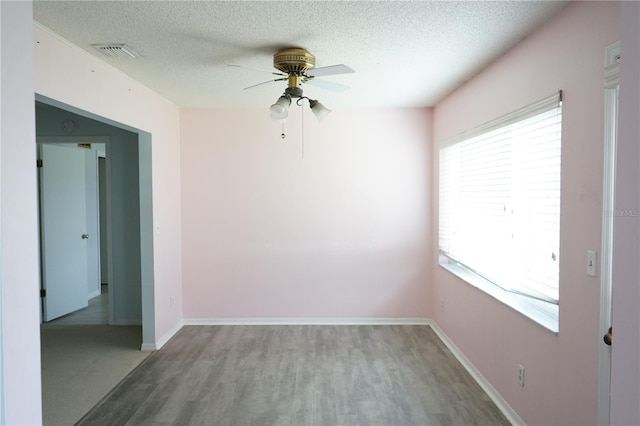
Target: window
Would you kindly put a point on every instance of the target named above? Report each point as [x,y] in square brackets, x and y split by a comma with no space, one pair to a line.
[500,208]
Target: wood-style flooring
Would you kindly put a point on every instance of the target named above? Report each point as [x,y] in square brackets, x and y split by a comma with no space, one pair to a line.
[299,375]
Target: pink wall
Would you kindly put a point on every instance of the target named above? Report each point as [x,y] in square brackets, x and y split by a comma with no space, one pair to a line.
[625,365]
[561,370]
[19,265]
[69,75]
[340,233]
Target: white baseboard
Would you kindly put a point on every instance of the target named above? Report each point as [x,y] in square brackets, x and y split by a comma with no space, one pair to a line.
[307,321]
[164,339]
[148,347]
[502,405]
[93,294]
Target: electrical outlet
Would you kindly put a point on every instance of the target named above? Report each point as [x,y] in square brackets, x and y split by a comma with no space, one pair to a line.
[521,375]
[172,302]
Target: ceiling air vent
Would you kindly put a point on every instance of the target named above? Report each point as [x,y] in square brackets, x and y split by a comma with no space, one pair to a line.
[120,51]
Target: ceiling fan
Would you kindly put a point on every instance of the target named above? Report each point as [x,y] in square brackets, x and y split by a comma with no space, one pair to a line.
[297,67]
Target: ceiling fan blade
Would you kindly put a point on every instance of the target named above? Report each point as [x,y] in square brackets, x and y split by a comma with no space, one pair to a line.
[328,85]
[254,69]
[330,70]
[264,82]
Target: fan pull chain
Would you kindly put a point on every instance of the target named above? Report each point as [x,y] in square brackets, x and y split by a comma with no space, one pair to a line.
[302,119]
[283,135]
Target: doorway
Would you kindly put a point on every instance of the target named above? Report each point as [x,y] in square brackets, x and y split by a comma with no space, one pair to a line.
[129,214]
[129,248]
[73,229]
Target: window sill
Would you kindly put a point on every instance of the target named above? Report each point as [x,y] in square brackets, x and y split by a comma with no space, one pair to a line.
[544,314]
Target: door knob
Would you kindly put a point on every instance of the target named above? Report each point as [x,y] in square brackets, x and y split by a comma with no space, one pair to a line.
[608,338]
[85,236]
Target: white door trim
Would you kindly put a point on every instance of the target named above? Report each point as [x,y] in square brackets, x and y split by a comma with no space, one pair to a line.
[612,71]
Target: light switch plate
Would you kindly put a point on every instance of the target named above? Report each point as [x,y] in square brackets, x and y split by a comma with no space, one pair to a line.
[591,263]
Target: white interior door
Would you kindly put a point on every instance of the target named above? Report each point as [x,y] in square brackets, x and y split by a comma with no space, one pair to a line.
[64,230]
[611,92]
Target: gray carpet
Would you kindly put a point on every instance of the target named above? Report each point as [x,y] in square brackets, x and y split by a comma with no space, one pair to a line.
[96,313]
[81,364]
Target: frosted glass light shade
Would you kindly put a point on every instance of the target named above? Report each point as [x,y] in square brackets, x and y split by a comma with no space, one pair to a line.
[280,110]
[319,110]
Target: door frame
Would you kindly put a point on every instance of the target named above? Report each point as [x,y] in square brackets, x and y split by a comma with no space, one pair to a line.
[146,214]
[104,140]
[611,93]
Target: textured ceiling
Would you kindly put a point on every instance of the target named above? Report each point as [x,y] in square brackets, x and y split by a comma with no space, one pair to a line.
[405,54]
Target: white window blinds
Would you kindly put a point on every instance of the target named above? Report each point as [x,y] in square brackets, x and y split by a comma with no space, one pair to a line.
[500,200]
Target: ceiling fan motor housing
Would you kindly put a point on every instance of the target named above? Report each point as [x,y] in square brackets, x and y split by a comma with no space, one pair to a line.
[294,61]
